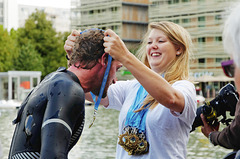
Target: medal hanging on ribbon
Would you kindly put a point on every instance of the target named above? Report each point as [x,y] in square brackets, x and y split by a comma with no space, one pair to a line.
[133,139]
[105,77]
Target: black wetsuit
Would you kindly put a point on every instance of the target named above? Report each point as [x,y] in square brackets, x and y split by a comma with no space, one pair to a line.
[51,119]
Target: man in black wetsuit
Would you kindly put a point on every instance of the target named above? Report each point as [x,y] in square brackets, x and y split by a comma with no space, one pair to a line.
[51,118]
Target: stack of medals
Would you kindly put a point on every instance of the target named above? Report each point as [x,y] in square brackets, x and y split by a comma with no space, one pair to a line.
[133,141]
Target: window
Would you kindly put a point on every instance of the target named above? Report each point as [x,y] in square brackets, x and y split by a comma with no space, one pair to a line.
[218,38]
[201,40]
[173,1]
[115,27]
[201,60]
[218,60]
[35,82]
[25,82]
[218,17]
[175,21]
[91,12]
[114,9]
[201,21]
[186,20]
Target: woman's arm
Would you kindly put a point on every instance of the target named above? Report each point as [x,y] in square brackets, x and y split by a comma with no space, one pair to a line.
[155,85]
[69,44]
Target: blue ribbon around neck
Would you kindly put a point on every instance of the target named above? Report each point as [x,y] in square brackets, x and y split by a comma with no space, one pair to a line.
[105,77]
[103,84]
[137,119]
[101,89]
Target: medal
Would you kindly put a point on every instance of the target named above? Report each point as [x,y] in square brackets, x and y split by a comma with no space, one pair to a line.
[133,139]
[134,144]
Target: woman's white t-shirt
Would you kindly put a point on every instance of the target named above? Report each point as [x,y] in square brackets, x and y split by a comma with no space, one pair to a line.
[167,132]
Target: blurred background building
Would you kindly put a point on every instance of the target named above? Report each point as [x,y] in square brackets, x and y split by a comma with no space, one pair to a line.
[204,20]
[8,14]
[13,15]
[129,18]
[60,17]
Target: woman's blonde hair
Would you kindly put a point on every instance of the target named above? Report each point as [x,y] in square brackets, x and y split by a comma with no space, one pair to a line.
[179,68]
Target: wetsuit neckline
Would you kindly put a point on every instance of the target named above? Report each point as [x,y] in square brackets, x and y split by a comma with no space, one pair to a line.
[71,74]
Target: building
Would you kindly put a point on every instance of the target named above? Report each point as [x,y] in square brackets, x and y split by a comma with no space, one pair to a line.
[204,20]
[7,16]
[15,85]
[128,18]
[13,15]
[60,17]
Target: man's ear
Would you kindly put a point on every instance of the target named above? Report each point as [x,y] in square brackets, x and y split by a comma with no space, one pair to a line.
[103,60]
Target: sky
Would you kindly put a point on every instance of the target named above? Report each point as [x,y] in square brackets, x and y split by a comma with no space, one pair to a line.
[47,3]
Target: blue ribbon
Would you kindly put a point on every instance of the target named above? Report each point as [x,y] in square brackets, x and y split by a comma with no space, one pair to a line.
[101,90]
[105,77]
[137,119]
[91,29]
[103,84]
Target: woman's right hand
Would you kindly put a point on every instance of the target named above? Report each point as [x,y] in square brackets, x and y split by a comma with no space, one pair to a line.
[69,43]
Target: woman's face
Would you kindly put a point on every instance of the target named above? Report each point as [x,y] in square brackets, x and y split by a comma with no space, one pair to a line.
[160,51]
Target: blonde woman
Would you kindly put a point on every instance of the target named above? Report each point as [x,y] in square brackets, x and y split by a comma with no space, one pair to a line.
[157,109]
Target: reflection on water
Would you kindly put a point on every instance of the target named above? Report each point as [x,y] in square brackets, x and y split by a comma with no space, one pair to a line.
[99,142]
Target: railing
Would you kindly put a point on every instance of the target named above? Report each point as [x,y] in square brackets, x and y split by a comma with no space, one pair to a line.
[101,18]
[97,2]
[166,9]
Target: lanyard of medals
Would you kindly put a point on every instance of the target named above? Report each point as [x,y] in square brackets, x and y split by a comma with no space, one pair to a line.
[105,77]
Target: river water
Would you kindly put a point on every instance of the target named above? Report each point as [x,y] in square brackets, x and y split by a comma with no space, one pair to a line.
[99,142]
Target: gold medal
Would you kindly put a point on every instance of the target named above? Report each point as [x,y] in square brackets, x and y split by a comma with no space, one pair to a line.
[134,144]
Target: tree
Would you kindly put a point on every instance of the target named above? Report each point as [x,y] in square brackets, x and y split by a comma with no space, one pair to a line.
[45,41]
[28,59]
[8,50]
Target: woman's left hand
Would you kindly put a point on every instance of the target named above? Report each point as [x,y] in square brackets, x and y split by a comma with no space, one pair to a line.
[114,45]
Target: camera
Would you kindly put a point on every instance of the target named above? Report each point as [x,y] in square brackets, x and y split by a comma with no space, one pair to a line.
[226,100]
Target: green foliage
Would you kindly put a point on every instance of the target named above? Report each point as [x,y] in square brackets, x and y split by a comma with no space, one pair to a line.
[35,47]
[45,40]
[8,50]
[28,59]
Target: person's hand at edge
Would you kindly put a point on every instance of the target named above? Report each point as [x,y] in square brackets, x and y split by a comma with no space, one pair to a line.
[69,43]
[207,128]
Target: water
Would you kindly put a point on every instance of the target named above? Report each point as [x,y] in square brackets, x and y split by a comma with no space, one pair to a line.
[99,142]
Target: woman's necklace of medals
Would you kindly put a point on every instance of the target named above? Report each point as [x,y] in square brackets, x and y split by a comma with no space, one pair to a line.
[133,142]
[133,139]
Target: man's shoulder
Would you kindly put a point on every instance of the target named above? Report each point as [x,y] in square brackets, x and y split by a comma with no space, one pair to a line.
[62,81]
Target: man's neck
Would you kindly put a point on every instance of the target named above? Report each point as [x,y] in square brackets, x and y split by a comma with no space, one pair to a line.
[87,77]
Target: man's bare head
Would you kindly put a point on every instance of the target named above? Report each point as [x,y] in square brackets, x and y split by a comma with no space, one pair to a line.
[88,49]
